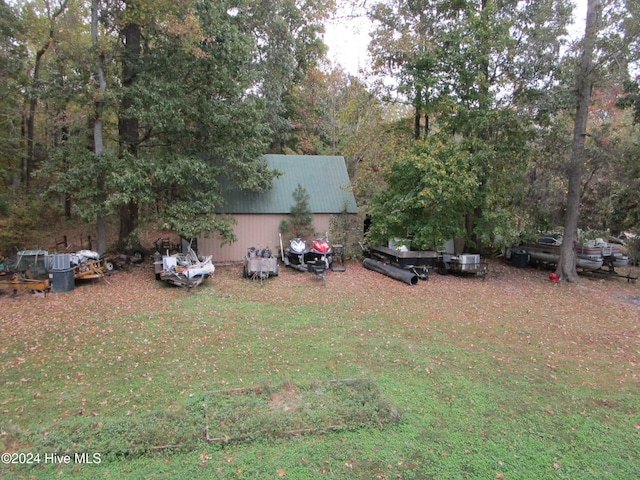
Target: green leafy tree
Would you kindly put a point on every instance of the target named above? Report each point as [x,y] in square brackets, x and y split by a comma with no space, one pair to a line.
[428,193]
[288,44]
[191,105]
[300,222]
[209,93]
[625,202]
[631,99]
[467,69]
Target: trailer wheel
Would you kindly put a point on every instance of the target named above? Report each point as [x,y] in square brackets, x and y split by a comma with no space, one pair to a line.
[442,269]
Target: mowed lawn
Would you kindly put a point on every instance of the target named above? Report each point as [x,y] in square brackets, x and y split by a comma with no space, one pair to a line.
[513,377]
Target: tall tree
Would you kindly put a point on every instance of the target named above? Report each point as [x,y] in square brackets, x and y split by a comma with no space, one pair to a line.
[128,123]
[429,191]
[466,68]
[13,56]
[98,136]
[52,14]
[230,67]
[566,268]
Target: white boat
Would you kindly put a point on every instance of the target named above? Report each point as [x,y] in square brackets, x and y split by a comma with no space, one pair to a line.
[547,250]
[612,253]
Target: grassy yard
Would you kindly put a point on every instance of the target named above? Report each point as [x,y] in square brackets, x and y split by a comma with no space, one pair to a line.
[513,377]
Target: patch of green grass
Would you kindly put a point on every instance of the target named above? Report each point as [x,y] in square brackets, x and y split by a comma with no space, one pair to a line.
[131,387]
[288,410]
[124,437]
[227,416]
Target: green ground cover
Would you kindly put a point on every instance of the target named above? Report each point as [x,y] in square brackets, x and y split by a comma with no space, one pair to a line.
[483,383]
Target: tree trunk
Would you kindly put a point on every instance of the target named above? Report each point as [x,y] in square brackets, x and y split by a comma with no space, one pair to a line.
[566,268]
[417,116]
[98,140]
[128,126]
[60,139]
[31,116]
[128,224]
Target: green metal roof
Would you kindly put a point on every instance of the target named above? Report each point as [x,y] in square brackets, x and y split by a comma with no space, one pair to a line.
[324,178]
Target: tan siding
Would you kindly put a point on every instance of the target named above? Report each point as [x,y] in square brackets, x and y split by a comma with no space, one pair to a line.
[254,230]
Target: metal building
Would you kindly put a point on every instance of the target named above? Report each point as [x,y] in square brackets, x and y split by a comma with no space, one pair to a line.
[258,215]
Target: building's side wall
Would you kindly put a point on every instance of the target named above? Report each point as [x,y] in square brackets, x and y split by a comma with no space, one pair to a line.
[254,230]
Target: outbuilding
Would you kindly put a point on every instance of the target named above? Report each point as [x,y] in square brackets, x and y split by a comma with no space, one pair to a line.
[258,215]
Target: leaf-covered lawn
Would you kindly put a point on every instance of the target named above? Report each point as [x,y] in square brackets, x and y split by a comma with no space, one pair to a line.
[511,377]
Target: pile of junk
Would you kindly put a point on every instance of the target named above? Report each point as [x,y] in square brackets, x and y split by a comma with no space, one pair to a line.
[185,269]
[40,271]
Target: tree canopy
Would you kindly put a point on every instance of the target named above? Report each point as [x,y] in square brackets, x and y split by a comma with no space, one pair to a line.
[498,80]
[192,97]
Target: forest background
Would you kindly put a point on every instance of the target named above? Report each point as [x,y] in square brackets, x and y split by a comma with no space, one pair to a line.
[466,123]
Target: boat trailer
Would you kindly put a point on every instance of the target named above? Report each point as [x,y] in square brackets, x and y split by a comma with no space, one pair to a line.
[410,265]
[611,272]
[417,262]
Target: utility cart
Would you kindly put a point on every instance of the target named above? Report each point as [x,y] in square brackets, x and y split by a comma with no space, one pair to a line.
[260,264]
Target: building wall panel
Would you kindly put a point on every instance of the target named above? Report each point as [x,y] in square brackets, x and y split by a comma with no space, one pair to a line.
[254,230]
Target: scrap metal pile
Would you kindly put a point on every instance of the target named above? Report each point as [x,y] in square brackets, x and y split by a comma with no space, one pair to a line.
[184,269]
[33,270]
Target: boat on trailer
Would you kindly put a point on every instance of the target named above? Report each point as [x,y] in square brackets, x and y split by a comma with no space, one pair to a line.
[611,252]
[418,262]
[546,250]
[590,255]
